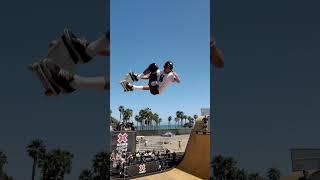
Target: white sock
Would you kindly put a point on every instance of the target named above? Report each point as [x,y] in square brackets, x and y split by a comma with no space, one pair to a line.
[88,82]
[137,87]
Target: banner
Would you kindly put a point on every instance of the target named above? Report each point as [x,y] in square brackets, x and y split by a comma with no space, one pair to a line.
[142,168]
[123,141]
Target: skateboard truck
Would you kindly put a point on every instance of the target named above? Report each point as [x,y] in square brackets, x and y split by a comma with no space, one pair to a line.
[127,79]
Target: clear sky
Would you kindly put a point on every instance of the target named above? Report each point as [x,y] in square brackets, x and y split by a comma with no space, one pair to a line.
[147,31]
[267,99]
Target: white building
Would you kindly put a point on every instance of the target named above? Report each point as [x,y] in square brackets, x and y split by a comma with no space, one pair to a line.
[305,159]
[205,111]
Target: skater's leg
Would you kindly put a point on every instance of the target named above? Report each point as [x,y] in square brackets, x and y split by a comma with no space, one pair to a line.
[96,47]
[80,82]
[83,51]
[70,82]
[146,87]
[153,89]
[152,68]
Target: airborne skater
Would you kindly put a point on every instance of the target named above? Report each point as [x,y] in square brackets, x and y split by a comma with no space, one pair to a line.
[70,50]
[158,80]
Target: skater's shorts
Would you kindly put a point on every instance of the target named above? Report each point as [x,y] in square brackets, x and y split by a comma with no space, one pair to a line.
[154,89]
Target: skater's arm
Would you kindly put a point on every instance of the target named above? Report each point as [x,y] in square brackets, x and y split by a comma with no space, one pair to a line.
[176,77]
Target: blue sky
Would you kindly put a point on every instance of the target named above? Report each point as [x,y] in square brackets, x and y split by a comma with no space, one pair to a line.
[147,31]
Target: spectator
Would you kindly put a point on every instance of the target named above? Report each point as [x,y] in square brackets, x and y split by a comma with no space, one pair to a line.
[305,175]
[205,121]
[123,160]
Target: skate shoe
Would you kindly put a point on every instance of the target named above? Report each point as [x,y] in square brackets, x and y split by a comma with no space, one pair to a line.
[59,76]
[133,76]
[50,88]
[76,47]
[128,86]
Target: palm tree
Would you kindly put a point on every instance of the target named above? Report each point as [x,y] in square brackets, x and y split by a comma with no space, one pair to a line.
[155,118]
[169,120]
[127,114]
[241,174]
[36,150]
[149,117]
[185,117]
[86,175]
[195,117]
[3,161]
[176,119]
[137,118]
[218,167]
[224,167]
[178,115]
[44,164]
[56,164]
[189,120]
[181,117]
[101,165]
[254,176]
[273,174]
[121,109]
[67,163]
[230,167]
[142,115]
[160,119]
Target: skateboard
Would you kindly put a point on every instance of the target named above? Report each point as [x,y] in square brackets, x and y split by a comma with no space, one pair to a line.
[127,79]
[63,54]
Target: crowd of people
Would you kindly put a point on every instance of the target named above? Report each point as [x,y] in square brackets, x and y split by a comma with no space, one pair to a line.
[121,160]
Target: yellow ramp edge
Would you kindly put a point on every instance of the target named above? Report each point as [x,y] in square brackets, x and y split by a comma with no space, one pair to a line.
[196,160]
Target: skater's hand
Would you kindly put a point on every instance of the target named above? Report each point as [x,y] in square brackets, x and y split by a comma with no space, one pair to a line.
[176,77]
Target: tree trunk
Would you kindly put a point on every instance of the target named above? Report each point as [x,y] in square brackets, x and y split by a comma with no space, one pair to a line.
[44,174]
[34,169]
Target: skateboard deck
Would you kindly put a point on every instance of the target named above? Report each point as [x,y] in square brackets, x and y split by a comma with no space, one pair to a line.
[49,88]
[58,53]
[127,79]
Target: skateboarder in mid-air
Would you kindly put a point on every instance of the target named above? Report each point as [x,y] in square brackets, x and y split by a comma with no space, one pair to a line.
[158,80]
[70,50]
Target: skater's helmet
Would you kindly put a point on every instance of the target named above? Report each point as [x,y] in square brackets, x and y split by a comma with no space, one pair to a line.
[153,67]
[168,64]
